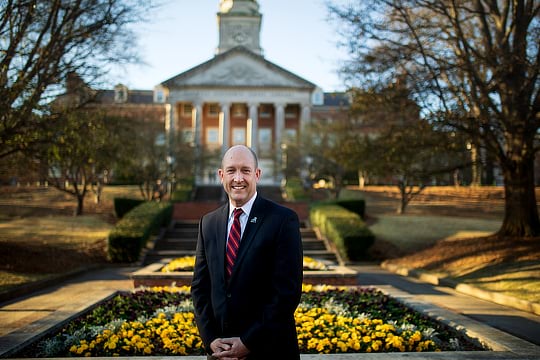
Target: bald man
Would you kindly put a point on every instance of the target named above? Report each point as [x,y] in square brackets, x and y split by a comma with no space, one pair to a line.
[245,303]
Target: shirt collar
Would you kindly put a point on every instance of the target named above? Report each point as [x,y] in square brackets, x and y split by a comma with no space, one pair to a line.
[246,208]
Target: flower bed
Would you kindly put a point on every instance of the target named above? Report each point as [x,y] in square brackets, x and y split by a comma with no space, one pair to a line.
[329,320]
[179,272]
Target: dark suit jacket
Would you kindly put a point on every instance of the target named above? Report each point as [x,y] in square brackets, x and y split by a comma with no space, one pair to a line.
[258,302]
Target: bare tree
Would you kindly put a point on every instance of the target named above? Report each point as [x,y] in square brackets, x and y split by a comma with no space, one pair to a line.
[41,42]
[476,63]
[396,146]
[79,152]
[412,156]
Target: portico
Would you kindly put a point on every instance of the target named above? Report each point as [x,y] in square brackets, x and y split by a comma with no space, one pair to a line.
[214,119]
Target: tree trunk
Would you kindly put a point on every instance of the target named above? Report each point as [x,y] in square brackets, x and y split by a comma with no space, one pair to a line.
[80,205]
[404,198]
[520,209]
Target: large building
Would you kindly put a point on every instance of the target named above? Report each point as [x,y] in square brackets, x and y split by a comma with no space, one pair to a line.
[237,97]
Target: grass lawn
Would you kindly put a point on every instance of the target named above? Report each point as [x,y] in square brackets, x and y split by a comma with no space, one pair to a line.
[36,248]
[455,242]
[413,232]
[40,238]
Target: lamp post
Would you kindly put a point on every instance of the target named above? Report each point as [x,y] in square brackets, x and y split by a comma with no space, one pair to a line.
[171,178]
[283,164]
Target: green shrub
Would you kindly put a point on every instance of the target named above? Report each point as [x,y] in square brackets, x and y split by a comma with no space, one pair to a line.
[124,205]
[320,212]
[344,228]
[351,237]
[357,206]
[131,233]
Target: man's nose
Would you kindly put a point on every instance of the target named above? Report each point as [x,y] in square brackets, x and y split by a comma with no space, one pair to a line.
[238,176]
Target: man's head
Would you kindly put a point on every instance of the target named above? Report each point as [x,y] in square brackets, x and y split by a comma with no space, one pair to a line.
[239,174]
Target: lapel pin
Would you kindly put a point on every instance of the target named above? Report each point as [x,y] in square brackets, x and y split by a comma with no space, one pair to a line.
[253,220]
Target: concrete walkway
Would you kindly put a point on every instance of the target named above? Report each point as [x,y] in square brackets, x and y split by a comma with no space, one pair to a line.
[512,334]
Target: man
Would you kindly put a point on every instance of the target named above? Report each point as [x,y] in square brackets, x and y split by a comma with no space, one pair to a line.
[248,314]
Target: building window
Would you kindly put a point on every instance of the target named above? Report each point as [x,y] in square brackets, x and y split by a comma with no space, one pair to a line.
[188,135]
[266,111]
[159,97]
[160,139]
[265,141]
[186,109]
[239,136]
[291,112]
[120,93]
[239,110]
[213,110]
[290,135]
[212,136]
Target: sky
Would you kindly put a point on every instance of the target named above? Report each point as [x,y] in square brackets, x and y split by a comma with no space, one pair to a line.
[182,34]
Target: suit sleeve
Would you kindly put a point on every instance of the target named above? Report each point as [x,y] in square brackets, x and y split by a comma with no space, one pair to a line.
[201,294]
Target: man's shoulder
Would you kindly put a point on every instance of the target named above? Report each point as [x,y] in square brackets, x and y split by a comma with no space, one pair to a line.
[216,212]
[273,206]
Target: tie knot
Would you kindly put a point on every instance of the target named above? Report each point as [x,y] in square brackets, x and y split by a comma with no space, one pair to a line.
[237,212]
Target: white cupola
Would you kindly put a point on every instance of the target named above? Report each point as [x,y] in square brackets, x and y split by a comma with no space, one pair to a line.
[239,23]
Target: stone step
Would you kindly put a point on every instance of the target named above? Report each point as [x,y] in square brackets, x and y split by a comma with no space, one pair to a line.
[182,233]
[185,225]
[307,232]
[157,256]
[176,244]
[313,244]
[322,255]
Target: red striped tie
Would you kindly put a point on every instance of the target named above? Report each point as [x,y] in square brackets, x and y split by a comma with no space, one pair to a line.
[234,241]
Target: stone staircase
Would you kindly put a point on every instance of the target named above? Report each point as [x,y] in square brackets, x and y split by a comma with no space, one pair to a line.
[180,239]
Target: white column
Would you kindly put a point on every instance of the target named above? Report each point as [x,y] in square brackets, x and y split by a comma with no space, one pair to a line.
[280,125]
[169,118]
[170,131]
[305,116]
[224,126]
[254,131]
[196,119]
[170,125]
[196,124]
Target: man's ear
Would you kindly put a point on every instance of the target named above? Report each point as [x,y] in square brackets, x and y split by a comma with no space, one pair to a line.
[220,174]
[258,173]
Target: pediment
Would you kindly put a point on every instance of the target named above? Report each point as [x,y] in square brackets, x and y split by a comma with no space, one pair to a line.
[238,68]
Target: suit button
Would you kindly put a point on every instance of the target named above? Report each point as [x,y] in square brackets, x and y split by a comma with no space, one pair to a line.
[229,295]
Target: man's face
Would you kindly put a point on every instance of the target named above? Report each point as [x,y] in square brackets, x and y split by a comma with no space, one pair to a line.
[239,175]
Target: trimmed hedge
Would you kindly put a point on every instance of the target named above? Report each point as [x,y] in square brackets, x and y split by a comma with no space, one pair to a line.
[357,206]
[123,205]
[319,214]
[131,233]
[344,228]
[351,236]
